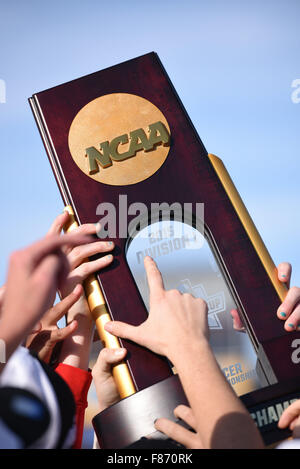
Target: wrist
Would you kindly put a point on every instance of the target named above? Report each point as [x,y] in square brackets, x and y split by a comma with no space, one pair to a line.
[191,348]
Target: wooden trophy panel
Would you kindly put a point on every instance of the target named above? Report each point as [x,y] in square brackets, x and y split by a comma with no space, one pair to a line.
[186,176]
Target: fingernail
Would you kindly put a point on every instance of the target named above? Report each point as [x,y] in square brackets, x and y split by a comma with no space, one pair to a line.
[110,243]
[283,314]
[283,275]
[109,257]
[291,326]
[119,352]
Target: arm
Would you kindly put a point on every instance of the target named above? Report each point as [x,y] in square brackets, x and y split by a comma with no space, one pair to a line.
[75,352]
[221,419]
[76,347]
[37,271]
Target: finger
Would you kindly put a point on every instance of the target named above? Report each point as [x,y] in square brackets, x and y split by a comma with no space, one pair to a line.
[177,432]
[237,322]
[155,281]
[294,319]
[88,229]
[83,252]
[289,414]
[284,272]
[46,280]
[61,308]
[85,229]
[58,335]
[295,427]
[58,224]
[294,423]
[51,244]
[90,267]
[289,303]
[108,357]
[185,413]
[123,330]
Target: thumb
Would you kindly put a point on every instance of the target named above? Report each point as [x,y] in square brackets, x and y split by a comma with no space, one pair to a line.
[108,357]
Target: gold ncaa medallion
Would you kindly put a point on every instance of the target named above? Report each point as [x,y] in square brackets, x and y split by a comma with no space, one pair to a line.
[119,139]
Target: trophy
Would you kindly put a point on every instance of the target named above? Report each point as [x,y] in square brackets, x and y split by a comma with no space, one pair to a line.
[124,151]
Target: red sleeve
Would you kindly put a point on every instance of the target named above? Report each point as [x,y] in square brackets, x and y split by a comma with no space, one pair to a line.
[79,382]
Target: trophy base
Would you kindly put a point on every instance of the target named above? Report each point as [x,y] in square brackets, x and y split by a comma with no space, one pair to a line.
[132,418]
[129,421]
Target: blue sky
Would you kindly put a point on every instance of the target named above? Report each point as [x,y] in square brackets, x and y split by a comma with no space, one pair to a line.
[231,62]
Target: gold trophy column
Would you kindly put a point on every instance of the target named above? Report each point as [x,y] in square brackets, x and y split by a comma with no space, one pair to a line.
[101,316]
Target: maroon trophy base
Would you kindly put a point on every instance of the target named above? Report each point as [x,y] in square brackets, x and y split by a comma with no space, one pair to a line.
[131,419]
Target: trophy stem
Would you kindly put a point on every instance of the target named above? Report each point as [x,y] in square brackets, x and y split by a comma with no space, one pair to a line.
[101,316]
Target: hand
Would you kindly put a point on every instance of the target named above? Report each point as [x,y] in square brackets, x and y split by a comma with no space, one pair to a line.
[288,311]
[238,324]
[174,319]
[44,340]
[78,256]
[106,388]
[76,348]
[177,432]
[34,275]
[80,266]
[291,418]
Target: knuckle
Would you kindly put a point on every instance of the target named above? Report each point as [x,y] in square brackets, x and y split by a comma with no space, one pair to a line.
[202,303]
[174,293]
[103,356]
[188,296]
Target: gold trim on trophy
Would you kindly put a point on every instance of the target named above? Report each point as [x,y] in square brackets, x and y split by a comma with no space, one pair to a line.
[101,316]
[248,224]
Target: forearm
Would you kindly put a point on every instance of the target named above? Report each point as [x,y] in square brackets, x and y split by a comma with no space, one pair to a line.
[222,420]
[76,348]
